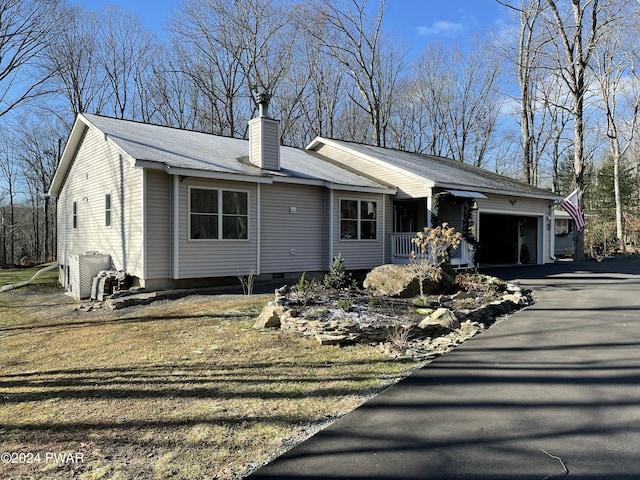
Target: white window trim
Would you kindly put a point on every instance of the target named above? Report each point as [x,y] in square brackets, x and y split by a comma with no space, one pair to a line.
[359,220]
[74,214]
[110,210]
[220,215]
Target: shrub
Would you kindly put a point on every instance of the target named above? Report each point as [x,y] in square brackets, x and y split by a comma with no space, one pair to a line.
[306,290]
[346,305]
[337,276]
[432,252]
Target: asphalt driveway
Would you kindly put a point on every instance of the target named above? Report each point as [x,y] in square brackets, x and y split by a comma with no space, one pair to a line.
[553,385]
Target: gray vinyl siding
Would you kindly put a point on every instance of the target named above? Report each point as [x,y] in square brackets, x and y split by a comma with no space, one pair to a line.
[100,169]
[157,224]
[408,187]
[360,254]
[521,206]
[216,258]
[293,228]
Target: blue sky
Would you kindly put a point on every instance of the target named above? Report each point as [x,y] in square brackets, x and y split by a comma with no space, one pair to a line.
[418,22]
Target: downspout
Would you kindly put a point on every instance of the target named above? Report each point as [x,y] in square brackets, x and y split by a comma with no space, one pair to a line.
[176,227]
[6,288]
[552,233]
[384,227]
[258,234]
[330,226]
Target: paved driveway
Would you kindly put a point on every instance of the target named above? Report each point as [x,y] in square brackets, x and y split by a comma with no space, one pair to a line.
[555,384]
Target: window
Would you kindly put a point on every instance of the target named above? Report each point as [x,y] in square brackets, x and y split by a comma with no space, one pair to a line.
[358,220]
[218,214]
[75,214]
[562,226]
[107,210]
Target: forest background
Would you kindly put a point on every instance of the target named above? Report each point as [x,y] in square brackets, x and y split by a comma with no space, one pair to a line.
[551,97]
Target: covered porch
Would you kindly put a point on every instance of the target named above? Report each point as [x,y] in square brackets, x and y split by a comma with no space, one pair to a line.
[457,208]
[401,247]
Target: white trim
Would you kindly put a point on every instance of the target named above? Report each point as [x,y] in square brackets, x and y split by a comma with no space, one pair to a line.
[258,226]
[335,186]
[144,225]
[552,233]
[110,209]
[384,226]
[176,227]
[235,177]
[220,214]
[331,224]
[358,220]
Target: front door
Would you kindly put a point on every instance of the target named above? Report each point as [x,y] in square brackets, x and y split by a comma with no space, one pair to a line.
[405,217]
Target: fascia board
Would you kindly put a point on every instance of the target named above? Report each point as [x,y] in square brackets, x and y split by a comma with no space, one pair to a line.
[236,177]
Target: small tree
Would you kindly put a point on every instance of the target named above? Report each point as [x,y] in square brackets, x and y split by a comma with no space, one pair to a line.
[432,252]
[337,276]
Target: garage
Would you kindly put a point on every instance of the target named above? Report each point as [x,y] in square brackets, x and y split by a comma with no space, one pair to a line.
[508,239]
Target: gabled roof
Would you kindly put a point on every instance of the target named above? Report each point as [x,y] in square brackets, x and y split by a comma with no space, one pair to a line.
[440,172]
[190,153]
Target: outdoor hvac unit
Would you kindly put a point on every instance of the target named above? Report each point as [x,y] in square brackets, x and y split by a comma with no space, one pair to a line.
[82,269]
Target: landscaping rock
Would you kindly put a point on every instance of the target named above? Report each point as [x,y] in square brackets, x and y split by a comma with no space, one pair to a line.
[443,318]
[399,281]
[269,317]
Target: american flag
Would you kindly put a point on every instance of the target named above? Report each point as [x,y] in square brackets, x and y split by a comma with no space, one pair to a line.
[570,204]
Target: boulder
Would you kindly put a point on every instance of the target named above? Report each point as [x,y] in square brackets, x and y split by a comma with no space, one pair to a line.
[399,281]
[441,318]
[269,317]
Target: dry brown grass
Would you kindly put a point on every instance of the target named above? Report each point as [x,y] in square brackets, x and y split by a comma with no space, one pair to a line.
[181,389]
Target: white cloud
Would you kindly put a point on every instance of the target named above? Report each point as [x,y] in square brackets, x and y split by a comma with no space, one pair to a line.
[441,28]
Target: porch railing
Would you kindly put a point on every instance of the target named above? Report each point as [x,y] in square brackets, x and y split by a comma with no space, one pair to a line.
[401,247]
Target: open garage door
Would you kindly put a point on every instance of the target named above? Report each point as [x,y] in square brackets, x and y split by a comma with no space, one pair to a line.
[507,239]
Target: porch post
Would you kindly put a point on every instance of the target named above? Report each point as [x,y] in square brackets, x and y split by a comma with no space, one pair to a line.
[429,204]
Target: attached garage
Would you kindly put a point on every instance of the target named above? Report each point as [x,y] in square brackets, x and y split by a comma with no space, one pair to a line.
[509,239]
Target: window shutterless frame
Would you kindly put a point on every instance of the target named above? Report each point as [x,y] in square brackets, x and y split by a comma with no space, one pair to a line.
[107,209]
[358,219]
[75,214]
[218,214]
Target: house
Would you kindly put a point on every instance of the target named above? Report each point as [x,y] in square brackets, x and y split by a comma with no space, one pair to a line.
[173,207]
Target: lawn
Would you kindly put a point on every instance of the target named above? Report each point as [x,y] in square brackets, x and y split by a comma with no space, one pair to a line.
[183,389]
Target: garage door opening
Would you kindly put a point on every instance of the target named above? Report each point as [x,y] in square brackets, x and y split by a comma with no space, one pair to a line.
[507,239]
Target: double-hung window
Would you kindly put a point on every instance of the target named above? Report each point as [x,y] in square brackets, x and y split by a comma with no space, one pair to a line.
[358,219]
[107,210]
[75,214]
[217,214]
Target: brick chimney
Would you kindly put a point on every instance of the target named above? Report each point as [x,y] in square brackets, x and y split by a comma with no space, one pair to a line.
[264,137]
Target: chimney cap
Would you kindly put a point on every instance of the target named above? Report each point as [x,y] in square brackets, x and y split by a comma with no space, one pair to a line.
[262,99]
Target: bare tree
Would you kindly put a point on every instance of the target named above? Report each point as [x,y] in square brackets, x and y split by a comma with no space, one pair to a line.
[454,102]
[71,57]
[614,65]
[373,62]
[25,28]
[38,150]
[123,54]
[574,35]
[9,171]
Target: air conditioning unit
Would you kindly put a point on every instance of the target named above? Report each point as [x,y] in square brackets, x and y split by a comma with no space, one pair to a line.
[82,269]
